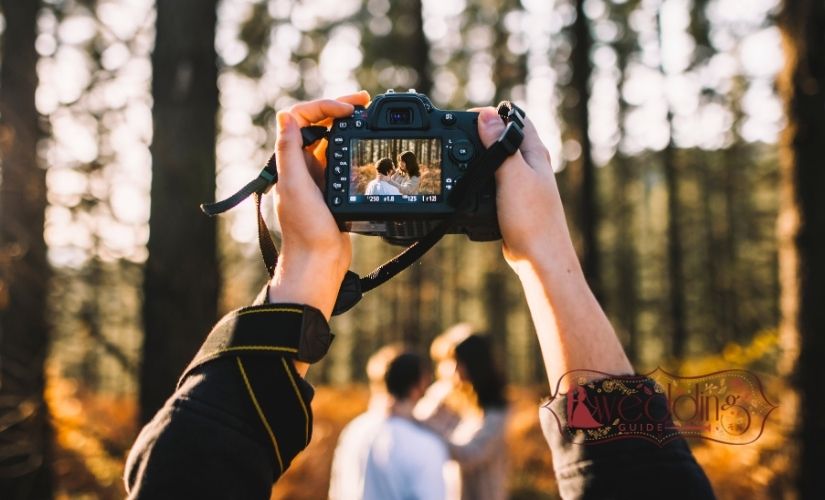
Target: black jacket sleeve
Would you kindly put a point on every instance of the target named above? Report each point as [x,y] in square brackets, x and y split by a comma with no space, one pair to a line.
[624,467]
[241,411]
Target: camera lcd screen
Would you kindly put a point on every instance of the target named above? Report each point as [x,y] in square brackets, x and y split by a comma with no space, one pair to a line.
[399,170]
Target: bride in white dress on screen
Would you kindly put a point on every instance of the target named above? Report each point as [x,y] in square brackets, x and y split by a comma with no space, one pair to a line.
[409,177]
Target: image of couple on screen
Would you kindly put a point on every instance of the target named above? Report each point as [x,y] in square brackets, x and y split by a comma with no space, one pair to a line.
[396,180]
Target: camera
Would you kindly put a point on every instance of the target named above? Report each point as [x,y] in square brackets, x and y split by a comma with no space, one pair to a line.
[392,166]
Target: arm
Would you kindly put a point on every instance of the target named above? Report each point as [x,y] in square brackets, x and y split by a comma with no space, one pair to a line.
[572,329]
[241,411]
[488,441]
[574,333]
[407,185]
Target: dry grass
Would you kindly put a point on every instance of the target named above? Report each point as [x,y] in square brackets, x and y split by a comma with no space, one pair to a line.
[92,435]
[94,431]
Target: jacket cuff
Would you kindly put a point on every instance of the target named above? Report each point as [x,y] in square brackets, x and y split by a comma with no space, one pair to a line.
[292,331]
[592,459]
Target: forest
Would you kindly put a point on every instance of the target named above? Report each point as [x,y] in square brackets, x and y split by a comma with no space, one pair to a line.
[687,138]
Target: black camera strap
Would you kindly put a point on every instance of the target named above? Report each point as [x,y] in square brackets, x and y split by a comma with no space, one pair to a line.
[353,287]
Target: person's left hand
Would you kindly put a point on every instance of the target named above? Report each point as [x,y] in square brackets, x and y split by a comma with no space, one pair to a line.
[315,254]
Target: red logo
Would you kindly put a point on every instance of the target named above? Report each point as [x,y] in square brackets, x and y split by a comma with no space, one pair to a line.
[727,406]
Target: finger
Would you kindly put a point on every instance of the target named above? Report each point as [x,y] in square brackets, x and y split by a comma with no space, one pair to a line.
[361,98]
[307,113]
[490,126]
[289,154]
[316,171]
[535,152]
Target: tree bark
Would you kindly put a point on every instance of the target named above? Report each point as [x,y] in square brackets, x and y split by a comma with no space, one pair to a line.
[802,233]
[181,277]
[675,272]
[25,435]
[583,178]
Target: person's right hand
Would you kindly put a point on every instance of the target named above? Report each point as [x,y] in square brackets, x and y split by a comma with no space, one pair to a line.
[530,212]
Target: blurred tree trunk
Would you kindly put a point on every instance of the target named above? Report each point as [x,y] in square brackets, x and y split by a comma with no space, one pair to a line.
[802,233]
[181,280]
[25,435]
[509,69]
[417,314]
[676,289]
[625,258]
[583,171]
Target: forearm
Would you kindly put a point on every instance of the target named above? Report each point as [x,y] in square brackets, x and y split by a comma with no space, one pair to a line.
[573,330]
[311,278]
[241,412]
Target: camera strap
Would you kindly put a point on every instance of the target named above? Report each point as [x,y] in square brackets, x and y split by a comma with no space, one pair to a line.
[353,286]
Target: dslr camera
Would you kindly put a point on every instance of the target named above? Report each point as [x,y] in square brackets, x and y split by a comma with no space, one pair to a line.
[392,166]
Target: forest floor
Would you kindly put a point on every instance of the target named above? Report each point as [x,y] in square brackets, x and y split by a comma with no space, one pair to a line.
[93,434]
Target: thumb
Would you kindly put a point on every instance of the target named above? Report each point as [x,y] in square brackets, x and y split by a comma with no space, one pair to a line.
[292,170]
[490,126]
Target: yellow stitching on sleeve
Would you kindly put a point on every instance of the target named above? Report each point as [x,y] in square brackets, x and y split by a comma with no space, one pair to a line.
[272,309]
[255,348]
[261,414]
[300,400]
[252,348]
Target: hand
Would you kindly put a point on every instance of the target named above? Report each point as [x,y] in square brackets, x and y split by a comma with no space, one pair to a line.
[530,212]
[572,329]
[315,254]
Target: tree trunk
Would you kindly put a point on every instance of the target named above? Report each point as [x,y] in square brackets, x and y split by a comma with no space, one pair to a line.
[181,280]
[416,276]
[802,233]
[583,178]
[25,434]
[676,289]
[625,258]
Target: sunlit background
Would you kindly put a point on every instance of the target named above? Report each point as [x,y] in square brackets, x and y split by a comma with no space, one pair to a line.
[713,101]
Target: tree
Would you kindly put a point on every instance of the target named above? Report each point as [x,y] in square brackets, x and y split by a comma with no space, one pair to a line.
[676,280]
[625,258]
[802,231]
[181,277]
[583,171]
[24,271]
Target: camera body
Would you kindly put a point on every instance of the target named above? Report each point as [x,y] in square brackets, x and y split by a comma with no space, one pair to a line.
[392,166]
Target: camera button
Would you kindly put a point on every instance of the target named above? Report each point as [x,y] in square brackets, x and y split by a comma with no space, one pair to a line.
[448,119]
[358,123]
[337,200]
[462,151]
[343,125]
[337,170]
[338,155]
[338,186]
[338,140]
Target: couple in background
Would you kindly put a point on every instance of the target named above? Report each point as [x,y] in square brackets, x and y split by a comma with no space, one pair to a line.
[445,441]
[392,181]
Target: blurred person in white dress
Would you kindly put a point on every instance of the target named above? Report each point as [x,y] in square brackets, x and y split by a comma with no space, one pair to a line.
[472,416]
